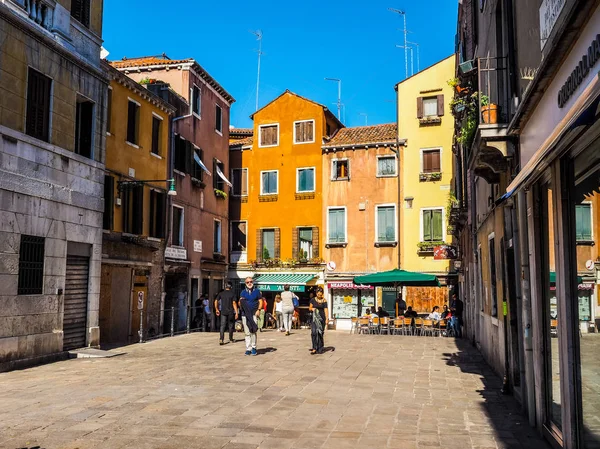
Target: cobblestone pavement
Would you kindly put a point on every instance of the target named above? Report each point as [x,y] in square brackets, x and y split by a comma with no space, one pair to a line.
[187,392]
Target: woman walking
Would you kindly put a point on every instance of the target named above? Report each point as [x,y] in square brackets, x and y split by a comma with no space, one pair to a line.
[278,312]
[287,306]
[318,307]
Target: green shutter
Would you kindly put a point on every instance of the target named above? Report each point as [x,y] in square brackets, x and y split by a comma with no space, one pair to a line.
[390,221]
[437,225]
[427,237]
[337,226]
[583,222]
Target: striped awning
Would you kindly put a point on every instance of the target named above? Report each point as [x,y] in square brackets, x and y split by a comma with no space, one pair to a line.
[283,278]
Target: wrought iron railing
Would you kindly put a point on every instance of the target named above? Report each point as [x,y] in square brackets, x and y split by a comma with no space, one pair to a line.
[494,91]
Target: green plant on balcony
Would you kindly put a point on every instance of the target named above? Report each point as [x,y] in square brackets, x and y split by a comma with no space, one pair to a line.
[452,204]
[302,256]
[427,247]
[220,194]
[265,254]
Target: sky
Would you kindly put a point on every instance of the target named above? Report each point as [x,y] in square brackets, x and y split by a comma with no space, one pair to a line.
[303,43]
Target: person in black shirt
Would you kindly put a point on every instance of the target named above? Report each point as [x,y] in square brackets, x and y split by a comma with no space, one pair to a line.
[227,308]
[318,307]
[381,312]
[410,313]
[457,307]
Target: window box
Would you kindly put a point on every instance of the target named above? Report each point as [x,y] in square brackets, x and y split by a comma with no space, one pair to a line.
[220,194]
[427,247]
[426,177]
[336,245]
[386,244]
[198,183]
[426,121]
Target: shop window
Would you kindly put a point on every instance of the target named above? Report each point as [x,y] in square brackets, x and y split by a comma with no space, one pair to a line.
[31,265]
[37,123]
[340,170]
[84,125]
[268,135]
[306,180]
[133,203]
[336,219]
[133,122]
[386,223]
[386,166]
[305,243]
[178,226]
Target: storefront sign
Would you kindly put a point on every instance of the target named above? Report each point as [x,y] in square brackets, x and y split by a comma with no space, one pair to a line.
[175,253]
[575,79]
[445,252]
[549,12]
[349,285]
[580,287]
[197,246]
[279,288]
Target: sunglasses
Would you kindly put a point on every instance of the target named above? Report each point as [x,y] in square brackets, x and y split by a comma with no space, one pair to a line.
[249,282]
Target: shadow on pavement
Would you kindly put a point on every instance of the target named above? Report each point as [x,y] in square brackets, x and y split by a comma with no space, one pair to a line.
[265,350]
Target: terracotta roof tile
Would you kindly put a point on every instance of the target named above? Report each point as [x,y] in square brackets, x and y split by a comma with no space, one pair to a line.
[145,61]
[241,142]
[238,133]
[364,135]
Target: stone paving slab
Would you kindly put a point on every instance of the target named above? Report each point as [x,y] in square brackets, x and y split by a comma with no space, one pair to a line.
[188,392]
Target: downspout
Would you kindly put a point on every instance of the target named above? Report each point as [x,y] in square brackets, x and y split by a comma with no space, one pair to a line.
[526,305]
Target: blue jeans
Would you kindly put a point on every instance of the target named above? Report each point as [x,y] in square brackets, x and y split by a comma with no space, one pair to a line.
[455,322]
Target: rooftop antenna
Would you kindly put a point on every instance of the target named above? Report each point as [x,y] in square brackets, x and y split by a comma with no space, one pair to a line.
[366,117]
[259,36]
[418,62]
[403,14]
[339,100]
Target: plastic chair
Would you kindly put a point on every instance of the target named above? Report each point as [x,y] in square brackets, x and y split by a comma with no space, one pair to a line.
[427,327]
[384,325]
[407,326]
[354,327]
[418,326]
[363,325]
[374,326]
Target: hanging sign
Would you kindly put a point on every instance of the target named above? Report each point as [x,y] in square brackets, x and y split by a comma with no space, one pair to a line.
[445,252]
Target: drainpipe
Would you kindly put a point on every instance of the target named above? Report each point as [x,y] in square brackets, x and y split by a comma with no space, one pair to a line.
[526,305]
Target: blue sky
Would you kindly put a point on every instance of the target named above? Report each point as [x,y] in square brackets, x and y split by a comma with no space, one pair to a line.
[351,40]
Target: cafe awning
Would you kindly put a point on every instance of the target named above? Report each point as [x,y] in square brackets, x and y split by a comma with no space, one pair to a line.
[283,278]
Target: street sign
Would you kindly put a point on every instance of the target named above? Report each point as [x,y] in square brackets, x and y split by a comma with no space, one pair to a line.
[140,300]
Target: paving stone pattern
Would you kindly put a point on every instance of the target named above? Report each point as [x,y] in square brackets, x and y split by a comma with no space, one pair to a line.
[373,391]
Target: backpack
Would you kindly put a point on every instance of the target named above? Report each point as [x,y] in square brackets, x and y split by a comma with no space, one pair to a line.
[295,301]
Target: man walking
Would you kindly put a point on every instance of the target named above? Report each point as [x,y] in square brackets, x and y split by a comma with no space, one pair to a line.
[251,304]
[226,307]
[456,307]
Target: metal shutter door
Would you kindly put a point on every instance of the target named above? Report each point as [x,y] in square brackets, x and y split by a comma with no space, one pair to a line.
[76,300]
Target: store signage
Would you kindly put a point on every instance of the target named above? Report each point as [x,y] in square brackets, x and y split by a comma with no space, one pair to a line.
[582,287]
[549,12]
[349,285]
[445,252]
[581,70]
[197,246]
[279,288]
[175,253]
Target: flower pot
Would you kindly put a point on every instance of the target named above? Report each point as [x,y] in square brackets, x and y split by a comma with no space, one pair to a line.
[490,113]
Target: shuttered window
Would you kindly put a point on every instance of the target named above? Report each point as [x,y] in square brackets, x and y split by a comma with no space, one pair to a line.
[268,135]
[84,123]
[431,161]
[583,222]
[268,182]
[430,106]
[432,225]
[133,209]
[158,204]
[133,118]
[268,244]
[304,131]
[386,224]
[340,170]
[80,11]
[109,197]
[31,265]
[337,225]
[306,180]
[240,181]
[305,243]
[38,105]
[238,236]
[156,135]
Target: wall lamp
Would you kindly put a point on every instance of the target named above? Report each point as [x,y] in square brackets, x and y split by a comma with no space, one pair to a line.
[124,184]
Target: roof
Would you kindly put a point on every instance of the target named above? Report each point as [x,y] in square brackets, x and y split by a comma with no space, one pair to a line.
[247,141]
[426,68]
[240,133]
[287,91]
[364,135]
[163,61]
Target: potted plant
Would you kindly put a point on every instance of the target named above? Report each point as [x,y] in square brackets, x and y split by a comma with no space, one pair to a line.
[302,256]
[489,111]
[220,194]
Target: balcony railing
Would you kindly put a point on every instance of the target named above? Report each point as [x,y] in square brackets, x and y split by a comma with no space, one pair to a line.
[40,12]
[494,91]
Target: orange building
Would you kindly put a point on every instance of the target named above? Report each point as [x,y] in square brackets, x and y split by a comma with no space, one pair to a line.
[276,201]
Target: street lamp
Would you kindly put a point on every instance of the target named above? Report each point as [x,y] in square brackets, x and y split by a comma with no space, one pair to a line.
[339,101]
[124,184]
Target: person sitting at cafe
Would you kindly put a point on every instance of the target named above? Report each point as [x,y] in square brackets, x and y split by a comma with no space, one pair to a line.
[435,314]
[446,313]
[381,312]
[410,313]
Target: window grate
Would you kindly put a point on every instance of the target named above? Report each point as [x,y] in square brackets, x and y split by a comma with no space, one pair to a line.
[31,265]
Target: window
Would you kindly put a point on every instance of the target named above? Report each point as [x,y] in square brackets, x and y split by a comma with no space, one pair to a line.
[80,11]
[386,166]
[178,223]
[31,265]
[195,100]
[432,225]
[428,107]
[304,131]
[240,181]
[583,222]
[305,243]
[268,135]
[84,124]
[197,170]
[183,151]
[218,119]
[133,209]
[109,198]
[340,169]
[238,236]
[336,225]
[158,204]
[430,161]
[109,110]
[268,240]
[492,247]
[305,180]
[217,237]
[156,135]
[218,182]
[133,119]
[38,105]
[386,223]
[268,182]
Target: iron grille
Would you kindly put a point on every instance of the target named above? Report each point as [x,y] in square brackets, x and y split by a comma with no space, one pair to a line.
[31,265]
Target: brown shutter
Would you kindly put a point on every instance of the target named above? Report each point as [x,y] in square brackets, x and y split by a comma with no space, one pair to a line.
[315,241]
[420,107]
[244,181]
[435,161]
[295,243]
[277,244]
[440,105]
[310,126]
[259,245]
[426,162]
[38,105]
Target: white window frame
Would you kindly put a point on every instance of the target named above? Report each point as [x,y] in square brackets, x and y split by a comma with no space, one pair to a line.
[181,227]
[314,169]
[591,217]
[377,206]
[198,114]
[345,224]
[231,224]
[261,182]
[333,171]
[314,133]
[436,103]
[265,125]
[421,233]
[220,249]
[139,119]
[219,131]
[262,238]
[233,177]
[386,156]
[424,150]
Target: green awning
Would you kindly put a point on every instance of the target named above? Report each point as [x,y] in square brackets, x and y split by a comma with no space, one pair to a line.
[398,278]
[553,278]
[281,278]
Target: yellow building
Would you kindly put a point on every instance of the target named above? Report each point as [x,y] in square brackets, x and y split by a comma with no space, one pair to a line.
[135,225]
[276,202]
[425,121]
